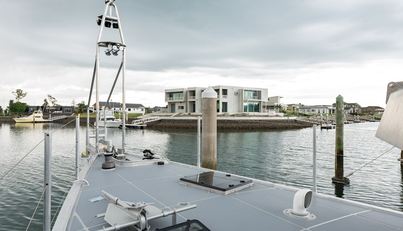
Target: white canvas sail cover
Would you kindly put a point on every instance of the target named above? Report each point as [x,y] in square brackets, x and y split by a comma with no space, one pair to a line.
[390,129]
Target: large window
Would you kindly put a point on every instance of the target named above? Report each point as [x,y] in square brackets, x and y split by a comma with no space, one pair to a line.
[175,96]
[249,94]
[224,107]
[251,107]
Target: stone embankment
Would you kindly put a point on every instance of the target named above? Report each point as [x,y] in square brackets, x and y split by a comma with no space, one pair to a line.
[231,123]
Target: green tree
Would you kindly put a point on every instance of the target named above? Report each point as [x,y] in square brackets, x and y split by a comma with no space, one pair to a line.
[19,94]
[81,107]
[17,107]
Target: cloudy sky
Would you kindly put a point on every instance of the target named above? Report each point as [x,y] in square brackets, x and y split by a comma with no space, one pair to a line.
[307,51]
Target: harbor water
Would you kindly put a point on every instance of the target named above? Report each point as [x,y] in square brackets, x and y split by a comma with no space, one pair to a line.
[278,156]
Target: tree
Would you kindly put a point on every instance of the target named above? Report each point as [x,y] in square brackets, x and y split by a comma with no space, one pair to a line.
[19,94]
[81,107]
[17,107]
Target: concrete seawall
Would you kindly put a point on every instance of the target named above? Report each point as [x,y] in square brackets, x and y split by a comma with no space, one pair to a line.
[231,124]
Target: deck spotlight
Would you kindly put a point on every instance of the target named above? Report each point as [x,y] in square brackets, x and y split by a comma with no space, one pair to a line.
[121,48]
[108,52]
[114,47]
[115,52]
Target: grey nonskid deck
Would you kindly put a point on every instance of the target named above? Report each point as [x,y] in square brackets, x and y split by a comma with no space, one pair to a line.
[260,207]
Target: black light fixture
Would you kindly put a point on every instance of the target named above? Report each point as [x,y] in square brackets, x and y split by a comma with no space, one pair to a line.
[115,52]
[108,23]
[108,52]
[99,20]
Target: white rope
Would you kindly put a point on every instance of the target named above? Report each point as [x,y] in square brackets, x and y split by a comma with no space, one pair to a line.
[36,208]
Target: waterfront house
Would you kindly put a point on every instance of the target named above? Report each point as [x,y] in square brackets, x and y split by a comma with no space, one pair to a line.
[56,109]
[230,99]
[274,104]
[316,110]
[372,110]
[133,108]
[351,108]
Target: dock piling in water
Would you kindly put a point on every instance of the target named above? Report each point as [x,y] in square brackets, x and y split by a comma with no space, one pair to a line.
[209,129]
[339,161]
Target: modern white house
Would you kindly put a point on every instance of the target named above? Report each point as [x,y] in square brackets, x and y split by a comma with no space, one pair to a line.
[317,109]
[230,99]
[134,108]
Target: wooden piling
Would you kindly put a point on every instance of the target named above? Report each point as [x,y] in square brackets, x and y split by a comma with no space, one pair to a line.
[209,129]
[339,151]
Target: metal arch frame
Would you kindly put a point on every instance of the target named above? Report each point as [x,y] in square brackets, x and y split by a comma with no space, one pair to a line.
[110,7]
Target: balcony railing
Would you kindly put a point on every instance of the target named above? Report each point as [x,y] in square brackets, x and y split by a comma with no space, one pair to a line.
[252,98]
[175,99]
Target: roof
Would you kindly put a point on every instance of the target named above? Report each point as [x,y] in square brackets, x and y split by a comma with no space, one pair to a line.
[118,105]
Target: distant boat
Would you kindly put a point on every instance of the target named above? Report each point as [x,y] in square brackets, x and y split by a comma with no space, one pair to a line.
[134,126]
[111,121]
[36,117]
[327,126]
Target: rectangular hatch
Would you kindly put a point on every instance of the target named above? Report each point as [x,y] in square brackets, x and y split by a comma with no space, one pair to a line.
[218,182]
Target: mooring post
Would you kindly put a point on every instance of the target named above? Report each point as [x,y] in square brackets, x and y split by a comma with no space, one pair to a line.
[339,151]
[314,188]
[209,129]
[198,140]
[47,183]
[77,144]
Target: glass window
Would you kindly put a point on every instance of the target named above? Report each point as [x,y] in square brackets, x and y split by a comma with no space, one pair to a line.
[224,107]
[251,107]
[224,91]
[249,94]
[175,96]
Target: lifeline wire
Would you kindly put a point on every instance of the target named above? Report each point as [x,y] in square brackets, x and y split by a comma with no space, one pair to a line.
[15,165]
[36,208]
[370,161]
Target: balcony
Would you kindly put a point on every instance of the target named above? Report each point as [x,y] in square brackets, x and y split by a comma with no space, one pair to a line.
[175,99]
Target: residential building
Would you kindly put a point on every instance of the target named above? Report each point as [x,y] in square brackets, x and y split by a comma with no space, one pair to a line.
[57,109]
[351,108]
[372,110]
[274,104]
[134,108]
[294,108]
[316,109]
[230,99]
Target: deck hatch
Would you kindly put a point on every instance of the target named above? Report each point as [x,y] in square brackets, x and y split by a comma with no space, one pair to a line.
[220,182]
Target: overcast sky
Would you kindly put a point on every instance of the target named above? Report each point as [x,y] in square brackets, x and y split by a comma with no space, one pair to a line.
[307,51]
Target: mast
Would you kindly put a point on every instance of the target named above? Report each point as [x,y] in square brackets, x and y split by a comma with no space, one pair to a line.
[109,21]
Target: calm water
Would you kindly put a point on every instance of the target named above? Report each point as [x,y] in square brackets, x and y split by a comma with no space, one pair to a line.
[278,156]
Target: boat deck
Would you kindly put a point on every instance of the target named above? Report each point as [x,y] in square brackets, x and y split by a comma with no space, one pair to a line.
[259,207]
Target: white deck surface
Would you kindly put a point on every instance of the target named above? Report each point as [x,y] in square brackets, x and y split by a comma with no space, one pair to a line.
[259,207]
